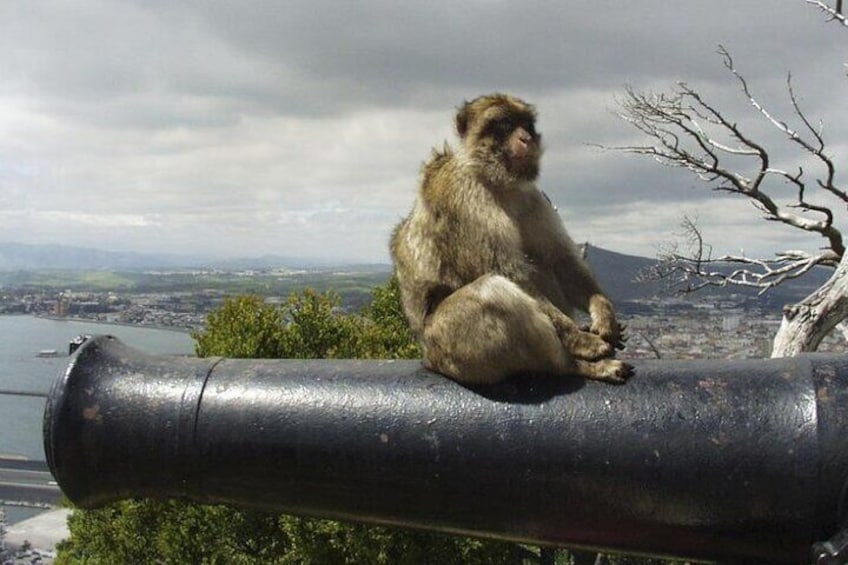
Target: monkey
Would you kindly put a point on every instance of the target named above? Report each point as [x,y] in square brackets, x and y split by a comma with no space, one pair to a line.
[488,276]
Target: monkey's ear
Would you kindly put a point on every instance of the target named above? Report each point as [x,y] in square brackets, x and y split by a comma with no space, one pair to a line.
[462,120]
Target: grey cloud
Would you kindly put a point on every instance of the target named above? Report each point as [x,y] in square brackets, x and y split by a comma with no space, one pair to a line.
[535,43]
[307,57]
[201,118]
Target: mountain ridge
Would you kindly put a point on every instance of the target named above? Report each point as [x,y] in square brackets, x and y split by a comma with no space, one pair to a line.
[26,257]
[616,272]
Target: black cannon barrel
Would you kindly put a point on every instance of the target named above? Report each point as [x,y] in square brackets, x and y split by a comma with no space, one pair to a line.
[728,460]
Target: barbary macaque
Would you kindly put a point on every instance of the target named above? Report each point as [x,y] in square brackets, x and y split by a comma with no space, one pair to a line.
[488,275]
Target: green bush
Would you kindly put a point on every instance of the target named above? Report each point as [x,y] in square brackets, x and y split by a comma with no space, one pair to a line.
[309,326]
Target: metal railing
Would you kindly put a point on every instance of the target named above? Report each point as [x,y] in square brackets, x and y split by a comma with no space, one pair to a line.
[742,461]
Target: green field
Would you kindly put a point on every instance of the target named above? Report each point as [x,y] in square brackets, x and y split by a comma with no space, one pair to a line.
[349,283]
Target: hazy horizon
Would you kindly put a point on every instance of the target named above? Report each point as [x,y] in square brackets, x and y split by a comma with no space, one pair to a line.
[48,251]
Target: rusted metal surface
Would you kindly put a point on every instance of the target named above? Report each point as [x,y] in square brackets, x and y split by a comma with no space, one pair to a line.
[728,460]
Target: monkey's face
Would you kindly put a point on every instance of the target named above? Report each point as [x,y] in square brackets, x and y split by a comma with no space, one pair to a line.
[500,135]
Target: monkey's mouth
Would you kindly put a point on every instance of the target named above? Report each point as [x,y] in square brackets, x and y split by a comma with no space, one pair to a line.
[530,154]
[525,167]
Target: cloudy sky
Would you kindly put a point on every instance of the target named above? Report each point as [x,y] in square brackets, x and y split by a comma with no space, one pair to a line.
[232,128]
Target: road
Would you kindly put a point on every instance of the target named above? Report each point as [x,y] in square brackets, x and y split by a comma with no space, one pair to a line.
[27,482]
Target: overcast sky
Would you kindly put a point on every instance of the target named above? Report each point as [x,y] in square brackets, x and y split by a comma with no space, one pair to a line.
[232,128]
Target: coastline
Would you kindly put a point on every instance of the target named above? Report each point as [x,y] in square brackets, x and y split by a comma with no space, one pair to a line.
[106,322]
[22,371]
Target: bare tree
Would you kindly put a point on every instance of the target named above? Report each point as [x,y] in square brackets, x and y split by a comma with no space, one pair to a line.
[687,131]
[3,553]
[835,13]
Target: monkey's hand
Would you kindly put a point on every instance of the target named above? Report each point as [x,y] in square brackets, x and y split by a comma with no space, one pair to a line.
[579,343]
[604,323]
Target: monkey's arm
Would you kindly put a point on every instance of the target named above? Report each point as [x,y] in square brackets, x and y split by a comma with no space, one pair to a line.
[582,288]
[603,321]
[420,299]
[416,254]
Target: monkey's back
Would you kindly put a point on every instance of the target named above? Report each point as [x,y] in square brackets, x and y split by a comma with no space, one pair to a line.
[456,232]
[418,243]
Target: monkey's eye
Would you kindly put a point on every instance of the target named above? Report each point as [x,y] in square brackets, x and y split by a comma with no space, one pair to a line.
[503,127]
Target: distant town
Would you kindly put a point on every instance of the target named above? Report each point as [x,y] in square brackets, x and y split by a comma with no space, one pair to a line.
[696,326]
[707,328]
[154,291]
[183,311]
[176,299]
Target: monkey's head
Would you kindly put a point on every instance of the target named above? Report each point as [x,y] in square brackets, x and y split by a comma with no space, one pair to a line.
[499,134]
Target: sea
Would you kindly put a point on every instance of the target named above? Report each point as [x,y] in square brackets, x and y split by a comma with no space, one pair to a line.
[27,344]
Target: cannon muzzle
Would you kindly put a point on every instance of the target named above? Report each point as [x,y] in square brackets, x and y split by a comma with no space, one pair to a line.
[728,460]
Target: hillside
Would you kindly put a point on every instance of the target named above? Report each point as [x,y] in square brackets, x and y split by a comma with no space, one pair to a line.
[618,273]
[28,257]
[59,266]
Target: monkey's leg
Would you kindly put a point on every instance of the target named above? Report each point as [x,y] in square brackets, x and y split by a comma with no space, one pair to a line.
[586,359]
[577,342]
[603,321]
[490,329]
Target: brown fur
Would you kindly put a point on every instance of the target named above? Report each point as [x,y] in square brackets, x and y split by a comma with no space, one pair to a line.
[488,274]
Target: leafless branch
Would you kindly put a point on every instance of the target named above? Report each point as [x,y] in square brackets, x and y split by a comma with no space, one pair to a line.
[687,131]
[684,130]
[651,344]
[694,268]
[834,13]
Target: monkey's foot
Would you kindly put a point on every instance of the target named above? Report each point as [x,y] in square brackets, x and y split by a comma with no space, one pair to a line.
[607,370]
[610,331]
[586,345]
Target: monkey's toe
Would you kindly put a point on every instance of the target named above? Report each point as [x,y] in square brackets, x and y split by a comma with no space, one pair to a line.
[620,373]
[612,334]
[610,371]
[619,339]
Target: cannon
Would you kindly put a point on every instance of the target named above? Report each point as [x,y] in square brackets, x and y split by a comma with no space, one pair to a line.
[734,461]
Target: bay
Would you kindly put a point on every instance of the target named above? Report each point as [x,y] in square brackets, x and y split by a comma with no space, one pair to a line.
[23,337]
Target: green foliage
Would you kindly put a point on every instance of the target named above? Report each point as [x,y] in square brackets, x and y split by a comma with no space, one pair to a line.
[148,531]
[153,532]
[390,337]
[309,326]
[244,327]
[324,541]
[315,331]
